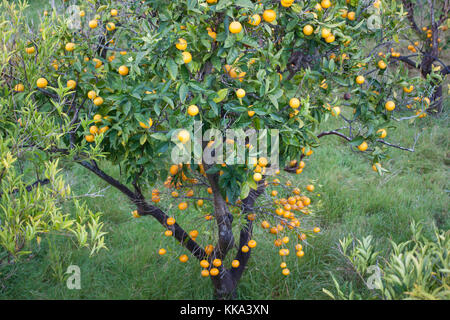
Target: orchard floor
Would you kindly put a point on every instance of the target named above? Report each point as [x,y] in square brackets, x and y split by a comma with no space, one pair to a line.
[355,200]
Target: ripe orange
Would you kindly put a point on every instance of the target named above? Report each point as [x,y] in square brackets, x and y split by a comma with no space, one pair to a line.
[187,57]
[173,169]
[147,125]
[41,83]
[286,271]
[363,146]
[71,84]
[181,44]
[192,110]
[254,20]
[168,233]
[257,176]
[184,258]
[93,24]
[240,93]
[204,264]
[170,221]
[93,130]
[382,65]
[316,230]
[294,103]
[245,249]
[92,94]
[390,105]
[360,79]
[184,136]
[19,87]
[217,262]
[235,263]
[310,187]
[235,27]
[308,30]
[98,101]
[252,243]
[205,273]
[162,251]
[89,138]
[325,33]
[123,70]
[351,16]
[70,46]
[269,15]
[110,26]
[114,12]
[214,272]
[300,253]
[382,133]
[336,111]
[30,50]
[182,205]
[325,4]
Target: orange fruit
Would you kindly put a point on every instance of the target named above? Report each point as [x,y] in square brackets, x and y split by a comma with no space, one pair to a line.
[71,84]
[98,101]
[310,187]
[254,20]
[92,94]
[252,243]
[192,110]
[70,46]
[214,271]
[162,251]
[204,264]
[308,30]
[390,105]
[363,146]
[351,16]
[93,24]
[123,70]
[181,44]
[269,15]
[184,258]
[41,83]
[110,26]
[382,133]
[235,27]
[294,103]
[360,79]
[184,136]
[90,138]
[19,87]
[170,221]
[240,93]
[93,130]
[217,262]
[285,271]
[205,273]
[113,12]
[182,205]
[187,57]
[245,249]
[235,263]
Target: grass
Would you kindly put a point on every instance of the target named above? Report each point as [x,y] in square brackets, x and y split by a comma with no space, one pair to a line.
[354,200]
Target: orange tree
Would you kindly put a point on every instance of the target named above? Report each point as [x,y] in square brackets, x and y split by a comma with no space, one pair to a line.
[123,82]
[428,21]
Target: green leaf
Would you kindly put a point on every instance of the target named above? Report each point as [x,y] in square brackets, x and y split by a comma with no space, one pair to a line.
[173,68]
[221,95]
[183,92]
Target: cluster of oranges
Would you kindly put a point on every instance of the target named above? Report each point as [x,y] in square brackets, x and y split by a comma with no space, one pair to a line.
[285,212]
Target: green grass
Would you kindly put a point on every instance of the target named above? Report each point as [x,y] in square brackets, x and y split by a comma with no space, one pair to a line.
[354,200]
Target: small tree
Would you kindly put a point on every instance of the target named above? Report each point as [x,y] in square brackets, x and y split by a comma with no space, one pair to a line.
[124,82]
[428,21]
